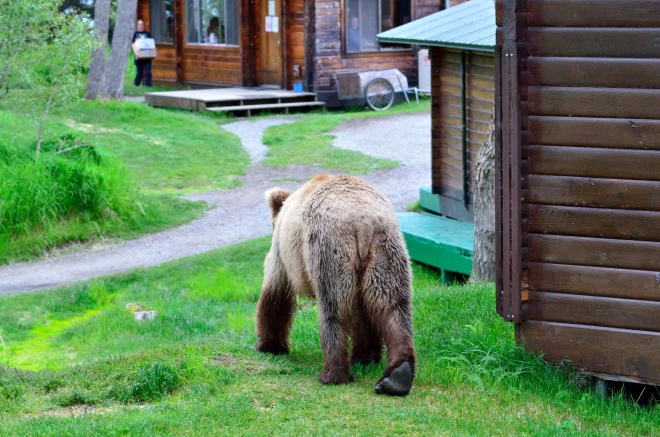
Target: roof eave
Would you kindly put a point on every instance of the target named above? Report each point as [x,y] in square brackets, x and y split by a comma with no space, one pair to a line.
[448,45]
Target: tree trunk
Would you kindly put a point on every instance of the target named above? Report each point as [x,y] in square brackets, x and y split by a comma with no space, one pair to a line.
[121,45]
[483,263]
[97,69]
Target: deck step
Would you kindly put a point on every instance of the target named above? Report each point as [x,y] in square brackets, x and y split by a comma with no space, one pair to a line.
[440,242]
[265,106]
[225,99]
[428,200]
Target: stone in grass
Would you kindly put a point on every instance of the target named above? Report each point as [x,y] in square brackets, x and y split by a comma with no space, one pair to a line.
[140,312]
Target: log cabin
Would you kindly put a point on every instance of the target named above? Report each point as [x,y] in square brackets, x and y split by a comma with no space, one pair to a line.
[276,43]
[461,42]
[578,181]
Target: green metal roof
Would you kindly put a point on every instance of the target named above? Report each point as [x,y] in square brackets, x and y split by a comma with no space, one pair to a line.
[470,25]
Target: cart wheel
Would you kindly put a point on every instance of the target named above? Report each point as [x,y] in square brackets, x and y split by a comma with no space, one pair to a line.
[380,94]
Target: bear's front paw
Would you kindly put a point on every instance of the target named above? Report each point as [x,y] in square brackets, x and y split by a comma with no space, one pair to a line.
[398,383]
[272,348]
[336,376]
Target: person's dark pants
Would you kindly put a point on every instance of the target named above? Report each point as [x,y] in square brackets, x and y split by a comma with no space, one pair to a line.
[142,68]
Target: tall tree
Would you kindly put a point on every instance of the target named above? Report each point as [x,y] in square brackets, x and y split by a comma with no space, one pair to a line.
[121,44]
[483,263]
[97,69]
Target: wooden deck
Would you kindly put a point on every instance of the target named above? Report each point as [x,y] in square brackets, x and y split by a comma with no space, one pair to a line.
[241,101]
[440,242]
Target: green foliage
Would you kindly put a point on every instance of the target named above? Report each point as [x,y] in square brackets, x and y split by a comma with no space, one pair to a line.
[44,51]
[196,369]
[75,191]
[84,182]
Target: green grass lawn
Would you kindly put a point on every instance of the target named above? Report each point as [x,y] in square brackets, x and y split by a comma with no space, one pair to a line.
[308,142]
[156,212]
[194,370]
[164,153]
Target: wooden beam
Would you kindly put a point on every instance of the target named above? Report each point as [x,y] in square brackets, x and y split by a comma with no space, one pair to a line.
[594,13]
[597,42]
[596,349]
[179,41]
[594,72]
[590,132]
[603,163]
[594,222]
[595,252]
[594,192]
[594,281]
[594,310]
[595,102]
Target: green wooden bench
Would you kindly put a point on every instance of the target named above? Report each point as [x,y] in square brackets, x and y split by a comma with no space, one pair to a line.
[440,242]
[428,200]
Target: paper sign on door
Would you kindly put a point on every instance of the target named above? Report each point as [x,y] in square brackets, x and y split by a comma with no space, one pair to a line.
[271,7]
[269,24]
[276,24]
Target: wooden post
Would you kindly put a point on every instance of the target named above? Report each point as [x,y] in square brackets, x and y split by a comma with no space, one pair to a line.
[511,157]
[179,41]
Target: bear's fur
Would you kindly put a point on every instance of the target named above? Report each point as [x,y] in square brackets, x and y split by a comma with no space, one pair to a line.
[337,239]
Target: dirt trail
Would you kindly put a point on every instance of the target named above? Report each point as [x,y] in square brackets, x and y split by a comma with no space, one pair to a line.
[240,214]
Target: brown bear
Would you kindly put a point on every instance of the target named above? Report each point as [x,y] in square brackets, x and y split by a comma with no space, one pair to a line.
[337,239]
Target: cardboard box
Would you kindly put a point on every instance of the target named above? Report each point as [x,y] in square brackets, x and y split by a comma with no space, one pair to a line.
[145,48]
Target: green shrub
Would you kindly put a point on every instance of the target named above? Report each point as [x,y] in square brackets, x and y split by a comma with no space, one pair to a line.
[82,183]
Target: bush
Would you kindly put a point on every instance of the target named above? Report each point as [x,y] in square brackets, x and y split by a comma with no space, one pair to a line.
[81,183]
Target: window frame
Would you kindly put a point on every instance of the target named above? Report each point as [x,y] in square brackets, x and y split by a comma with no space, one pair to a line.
[151,23]
[380,50]
[206,45]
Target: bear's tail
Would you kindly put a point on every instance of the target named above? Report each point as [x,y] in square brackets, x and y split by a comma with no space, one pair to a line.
[275,198]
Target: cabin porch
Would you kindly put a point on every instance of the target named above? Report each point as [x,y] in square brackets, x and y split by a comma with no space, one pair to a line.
[240,101]
[438,241]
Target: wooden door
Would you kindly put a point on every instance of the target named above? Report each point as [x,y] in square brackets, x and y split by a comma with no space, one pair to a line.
[271,43]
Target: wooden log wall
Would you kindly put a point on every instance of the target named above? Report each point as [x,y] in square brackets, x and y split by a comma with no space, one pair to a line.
[330,56]
[591,187]
[295,41]
[200,64]
[447,145]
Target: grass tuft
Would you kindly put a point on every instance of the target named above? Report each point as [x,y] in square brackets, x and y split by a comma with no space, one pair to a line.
[152,382]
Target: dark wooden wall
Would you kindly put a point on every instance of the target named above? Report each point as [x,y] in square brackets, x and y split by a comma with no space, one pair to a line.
[447,144]
[329,55]
[199,64]
[164,66]
[313,41]
[295,40]
[590,165]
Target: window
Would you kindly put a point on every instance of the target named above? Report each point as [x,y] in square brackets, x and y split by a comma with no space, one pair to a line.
[367,18]
[162,20]
[212,21]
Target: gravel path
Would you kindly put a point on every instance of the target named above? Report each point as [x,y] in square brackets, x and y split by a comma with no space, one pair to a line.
[240,214]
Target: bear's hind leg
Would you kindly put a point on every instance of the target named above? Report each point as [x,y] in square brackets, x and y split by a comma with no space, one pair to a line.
[336,367]
[275,310]
[387,294]
[367,344]
[398,376]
